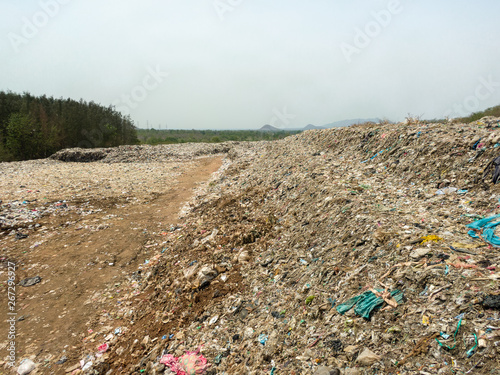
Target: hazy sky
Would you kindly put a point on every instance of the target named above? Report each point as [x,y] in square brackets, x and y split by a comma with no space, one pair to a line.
[246,63]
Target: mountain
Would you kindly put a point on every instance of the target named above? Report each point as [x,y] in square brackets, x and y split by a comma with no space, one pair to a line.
[312,127]
[337,124]
[269,128]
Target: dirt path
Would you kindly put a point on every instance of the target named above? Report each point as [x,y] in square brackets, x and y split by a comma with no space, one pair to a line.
[79,256]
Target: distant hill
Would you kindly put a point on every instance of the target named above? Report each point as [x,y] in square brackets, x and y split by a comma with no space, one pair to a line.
[312,127]
[337,124]
[269,128]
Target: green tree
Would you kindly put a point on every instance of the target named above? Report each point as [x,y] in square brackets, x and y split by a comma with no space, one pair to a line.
[23,140]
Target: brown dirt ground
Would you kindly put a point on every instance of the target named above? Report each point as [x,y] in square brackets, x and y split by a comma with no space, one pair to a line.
[75,264]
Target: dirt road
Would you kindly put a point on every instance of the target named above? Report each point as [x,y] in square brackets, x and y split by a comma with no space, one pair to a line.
[84,252]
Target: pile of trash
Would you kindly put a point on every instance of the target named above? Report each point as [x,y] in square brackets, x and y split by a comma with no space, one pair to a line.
[368,249]
[147,153]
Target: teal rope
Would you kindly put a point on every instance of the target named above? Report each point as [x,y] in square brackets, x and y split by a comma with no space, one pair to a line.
[454,337]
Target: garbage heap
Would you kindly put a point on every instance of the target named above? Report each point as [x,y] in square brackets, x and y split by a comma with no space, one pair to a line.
[353,250]
[146,153]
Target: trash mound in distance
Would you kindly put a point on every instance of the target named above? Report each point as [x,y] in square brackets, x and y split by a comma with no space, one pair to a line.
[80,155]
[147,153]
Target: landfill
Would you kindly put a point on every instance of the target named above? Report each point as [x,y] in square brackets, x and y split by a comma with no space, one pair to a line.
[362,250]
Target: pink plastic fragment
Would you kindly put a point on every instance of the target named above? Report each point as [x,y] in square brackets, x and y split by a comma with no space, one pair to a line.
[463,265]
[188,364]
[103,348]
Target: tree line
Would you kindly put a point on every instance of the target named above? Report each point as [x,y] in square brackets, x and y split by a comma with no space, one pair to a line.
[155,136]
[34,127]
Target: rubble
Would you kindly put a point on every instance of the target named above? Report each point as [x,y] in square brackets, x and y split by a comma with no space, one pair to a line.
[325,252]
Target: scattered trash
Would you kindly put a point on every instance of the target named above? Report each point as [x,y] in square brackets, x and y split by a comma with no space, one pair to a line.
[492,302]
[419,253]
[471,351]
[454,336]
[365,303]
[495,165]
[309,299]
[462,251]
[367,358]
[188,364]
[20,236]
[62,360]
[30,281]
[263,338]
[87,366]
[425,320]
[422,346]
[323,370]
[484,229]
[213,320]
[430,238]
[103,348]
[26,366]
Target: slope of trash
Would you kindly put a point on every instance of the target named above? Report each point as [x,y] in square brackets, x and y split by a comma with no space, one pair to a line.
[366,249]
[346,249]
[295,229]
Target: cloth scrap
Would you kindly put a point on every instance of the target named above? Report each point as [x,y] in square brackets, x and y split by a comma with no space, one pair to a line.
[365,303]
[485,230]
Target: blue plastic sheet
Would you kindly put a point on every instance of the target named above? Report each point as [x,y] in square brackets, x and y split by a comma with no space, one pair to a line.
[485,229]
[474,147]
[365,303]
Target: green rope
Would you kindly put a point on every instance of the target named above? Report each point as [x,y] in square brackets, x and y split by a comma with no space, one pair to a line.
[454,337]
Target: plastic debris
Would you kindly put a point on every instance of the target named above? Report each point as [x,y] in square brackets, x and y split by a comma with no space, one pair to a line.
[309,300]
[472,350]
[454,337]
[365,303]
[30,281]
[188,364]
[26,366]
[62,360]
[431,237]
[491,302]
[263,338]
[485,230]
[367,358]
[103,348]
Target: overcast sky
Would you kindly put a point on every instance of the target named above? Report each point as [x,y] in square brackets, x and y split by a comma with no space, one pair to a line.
[225,64]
